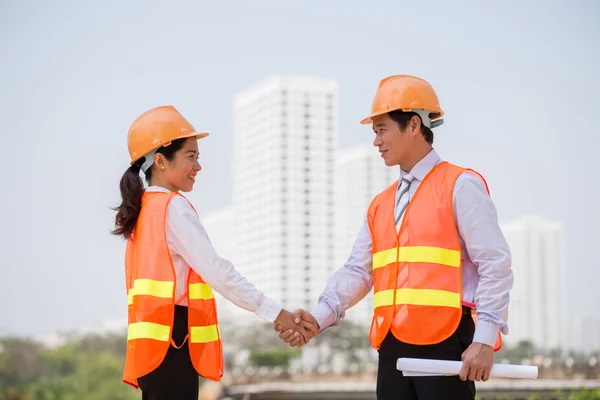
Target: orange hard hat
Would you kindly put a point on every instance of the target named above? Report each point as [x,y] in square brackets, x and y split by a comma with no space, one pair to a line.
[406,93]
[155,128]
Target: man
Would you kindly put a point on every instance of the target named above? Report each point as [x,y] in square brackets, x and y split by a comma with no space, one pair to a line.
[432,250]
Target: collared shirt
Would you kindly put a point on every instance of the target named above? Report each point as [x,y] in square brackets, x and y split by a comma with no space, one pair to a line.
[486,270]
[190,247]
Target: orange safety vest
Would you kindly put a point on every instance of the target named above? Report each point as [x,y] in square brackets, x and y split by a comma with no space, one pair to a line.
[417,273]
[151,296]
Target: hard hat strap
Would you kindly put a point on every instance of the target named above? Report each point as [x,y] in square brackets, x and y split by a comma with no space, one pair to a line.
[425,120]
[148,161]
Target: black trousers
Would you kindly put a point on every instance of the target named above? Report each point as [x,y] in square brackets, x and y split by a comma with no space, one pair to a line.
[175,378]
[391,385]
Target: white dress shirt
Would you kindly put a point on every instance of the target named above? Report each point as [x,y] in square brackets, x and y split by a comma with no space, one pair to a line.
[486,268]
[190,247]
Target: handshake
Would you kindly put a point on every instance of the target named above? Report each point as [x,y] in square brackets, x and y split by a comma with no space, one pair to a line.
[296,329]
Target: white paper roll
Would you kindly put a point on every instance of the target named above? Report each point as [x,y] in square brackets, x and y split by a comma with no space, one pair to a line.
[417,373]
[425,367]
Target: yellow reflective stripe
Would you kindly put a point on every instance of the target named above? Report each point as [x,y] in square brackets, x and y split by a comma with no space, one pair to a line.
[201,291]
[436,255]
[150,287]
[428,297]
[205,334]
[385,257]
[428,254]
[148,330]
[383,298]
[419,297]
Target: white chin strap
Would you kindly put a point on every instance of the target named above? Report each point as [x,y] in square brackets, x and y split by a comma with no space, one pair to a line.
[148,161]
[424,114]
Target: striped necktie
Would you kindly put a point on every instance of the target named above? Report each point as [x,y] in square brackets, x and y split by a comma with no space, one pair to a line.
[402,199]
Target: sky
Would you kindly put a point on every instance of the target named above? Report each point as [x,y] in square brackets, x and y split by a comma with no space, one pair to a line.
[518,82]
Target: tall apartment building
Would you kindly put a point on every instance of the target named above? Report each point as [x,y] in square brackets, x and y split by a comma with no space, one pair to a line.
[537,310]
[285,138]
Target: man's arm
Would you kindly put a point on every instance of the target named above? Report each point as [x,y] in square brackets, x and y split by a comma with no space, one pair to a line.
[477,223]
[345,288]
[348,285]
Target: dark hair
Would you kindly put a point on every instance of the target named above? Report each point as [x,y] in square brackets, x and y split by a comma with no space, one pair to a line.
[132,189]
[403,118]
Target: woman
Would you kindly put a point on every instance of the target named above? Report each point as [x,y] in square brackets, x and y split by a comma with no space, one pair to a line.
[172,268]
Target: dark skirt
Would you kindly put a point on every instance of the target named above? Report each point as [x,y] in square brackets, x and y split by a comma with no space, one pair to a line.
[175,378]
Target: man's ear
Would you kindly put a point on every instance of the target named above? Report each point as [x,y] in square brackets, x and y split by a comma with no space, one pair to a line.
[415,125]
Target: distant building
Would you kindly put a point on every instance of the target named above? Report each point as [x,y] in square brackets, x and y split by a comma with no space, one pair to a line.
[538,300]
[284,146]
[360,175]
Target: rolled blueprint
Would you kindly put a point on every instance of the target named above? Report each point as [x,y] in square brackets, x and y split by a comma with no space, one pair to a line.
[426,367]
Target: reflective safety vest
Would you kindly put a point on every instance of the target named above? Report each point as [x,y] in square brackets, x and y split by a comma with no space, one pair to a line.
[150,278]
[417,273]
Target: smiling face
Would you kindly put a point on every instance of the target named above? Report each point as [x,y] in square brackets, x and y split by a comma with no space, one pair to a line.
[395,145]
[179,173]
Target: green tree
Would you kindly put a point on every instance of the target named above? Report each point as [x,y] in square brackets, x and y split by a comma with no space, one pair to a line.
[273,357]
[88,368]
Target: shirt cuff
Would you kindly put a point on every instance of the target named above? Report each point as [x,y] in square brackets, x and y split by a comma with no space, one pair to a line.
[486,332]
[268,309]
[325,316]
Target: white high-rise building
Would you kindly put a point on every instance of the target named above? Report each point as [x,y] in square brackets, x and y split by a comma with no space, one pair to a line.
[285,137]
[586,334]
[361,174]
[537,310]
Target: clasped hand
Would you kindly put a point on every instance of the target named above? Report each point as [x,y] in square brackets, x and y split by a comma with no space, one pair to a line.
[296,329]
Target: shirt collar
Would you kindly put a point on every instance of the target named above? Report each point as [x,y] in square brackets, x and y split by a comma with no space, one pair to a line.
[157,189]
[422,168]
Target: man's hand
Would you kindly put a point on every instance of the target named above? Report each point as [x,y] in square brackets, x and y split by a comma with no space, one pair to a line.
[477,362]
[286,321]
[308,322]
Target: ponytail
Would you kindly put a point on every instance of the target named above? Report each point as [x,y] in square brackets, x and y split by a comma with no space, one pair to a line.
[132,189]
